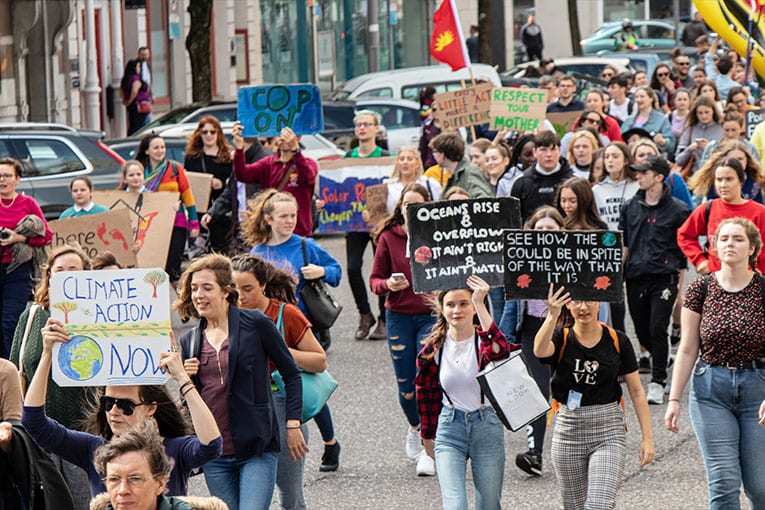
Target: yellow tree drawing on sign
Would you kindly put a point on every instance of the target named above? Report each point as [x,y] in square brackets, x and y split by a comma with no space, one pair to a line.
[65,307]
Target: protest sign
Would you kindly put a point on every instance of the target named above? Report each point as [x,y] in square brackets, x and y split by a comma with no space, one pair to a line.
[95,233]
[119,321]
[200,188]
[517,109]
[463,107]
[587,262]
[448,241]
[342,186]
[377,198]
[753,118]
[563,122]
[267,109]
[152,215]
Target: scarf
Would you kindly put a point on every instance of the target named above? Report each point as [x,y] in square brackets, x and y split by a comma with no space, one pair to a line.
[152,181]
[29,226]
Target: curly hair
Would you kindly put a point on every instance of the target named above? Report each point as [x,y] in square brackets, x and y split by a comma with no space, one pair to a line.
[703,179]
[145,439]
[195,149]
[279,285]
[41,293]
[220,265]
[397,217]
[254,226]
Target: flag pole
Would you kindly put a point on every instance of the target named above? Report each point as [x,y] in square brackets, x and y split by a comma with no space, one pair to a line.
[465,56]
[752,4]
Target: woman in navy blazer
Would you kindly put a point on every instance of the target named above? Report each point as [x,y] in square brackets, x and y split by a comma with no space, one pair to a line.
[227,358]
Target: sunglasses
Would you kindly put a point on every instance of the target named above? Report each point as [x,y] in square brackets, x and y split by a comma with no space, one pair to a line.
[682,63]
[595,121]
[125,405]
[208,131]
[662,75]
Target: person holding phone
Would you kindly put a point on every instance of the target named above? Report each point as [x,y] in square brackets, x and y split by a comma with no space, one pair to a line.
[702,126]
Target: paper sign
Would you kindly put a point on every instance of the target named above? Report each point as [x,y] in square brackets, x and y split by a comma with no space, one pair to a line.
[119,322]
[200,188]
[151,217]
[563,122]
[342,186]
[463,107]
[517,109]
[753,118]
[377,200]
[95,233]
[450,240]
[267,109]
[588,263]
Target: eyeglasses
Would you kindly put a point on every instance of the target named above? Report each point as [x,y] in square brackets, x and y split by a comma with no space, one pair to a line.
[584,303]
[7,177]
[134,481]
[208,131]
[662,75]
[365,124]
[125,405]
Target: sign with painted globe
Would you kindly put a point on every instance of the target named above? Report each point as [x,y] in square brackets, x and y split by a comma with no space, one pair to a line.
[119,322]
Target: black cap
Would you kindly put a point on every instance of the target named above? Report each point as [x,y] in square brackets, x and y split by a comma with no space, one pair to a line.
[642,133]
[656,164]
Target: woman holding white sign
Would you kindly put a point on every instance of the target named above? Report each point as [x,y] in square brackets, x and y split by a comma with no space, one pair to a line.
[589,440]
[458,423]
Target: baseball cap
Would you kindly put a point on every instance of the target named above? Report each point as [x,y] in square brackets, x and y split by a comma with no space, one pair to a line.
[656,164]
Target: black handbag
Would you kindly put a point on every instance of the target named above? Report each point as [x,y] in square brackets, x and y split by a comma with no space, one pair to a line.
[322,308]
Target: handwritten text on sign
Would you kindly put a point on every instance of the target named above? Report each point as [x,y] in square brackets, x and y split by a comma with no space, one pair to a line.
[517,109]
[119,322]
[587,263]
[448,241]
[267,109]
[463,107]
[342,186]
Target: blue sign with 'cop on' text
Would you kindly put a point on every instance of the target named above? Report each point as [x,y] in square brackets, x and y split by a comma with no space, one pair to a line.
[267,109]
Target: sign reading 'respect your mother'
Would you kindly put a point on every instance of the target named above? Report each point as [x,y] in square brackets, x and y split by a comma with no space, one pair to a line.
[119,322]
[449,241]
[267,109]
[588,263]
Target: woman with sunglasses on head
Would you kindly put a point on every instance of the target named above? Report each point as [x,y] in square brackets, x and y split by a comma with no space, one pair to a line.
[209,152]
[664,83]
[589,440]
[120,409]
[591,119]
[597,99]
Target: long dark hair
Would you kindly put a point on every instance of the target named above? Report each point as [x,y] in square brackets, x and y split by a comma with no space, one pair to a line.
[397,217]
[140,154]
[587,216]
[279,285]
[127,75]
[171,420]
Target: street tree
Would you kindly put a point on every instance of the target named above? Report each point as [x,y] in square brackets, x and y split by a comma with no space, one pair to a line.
[198,46]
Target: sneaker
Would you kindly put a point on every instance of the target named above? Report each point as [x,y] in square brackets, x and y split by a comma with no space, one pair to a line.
[530,462]
[674,336]
[380,332]
[331,458]
[426,466]
[366,321]
[644,365]
[655,393]
[413,443]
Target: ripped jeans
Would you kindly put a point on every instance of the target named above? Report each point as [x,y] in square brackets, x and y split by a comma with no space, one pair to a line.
[405,334]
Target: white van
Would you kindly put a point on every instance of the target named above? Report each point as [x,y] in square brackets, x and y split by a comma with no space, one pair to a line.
[406,83]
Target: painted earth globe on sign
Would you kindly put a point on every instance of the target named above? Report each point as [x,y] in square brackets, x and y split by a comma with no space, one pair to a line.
[81,358]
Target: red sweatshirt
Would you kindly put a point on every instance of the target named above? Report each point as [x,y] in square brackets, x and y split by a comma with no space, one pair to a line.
[688,234]
[390,258]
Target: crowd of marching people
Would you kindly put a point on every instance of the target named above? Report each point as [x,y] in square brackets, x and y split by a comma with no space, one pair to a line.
[664,159]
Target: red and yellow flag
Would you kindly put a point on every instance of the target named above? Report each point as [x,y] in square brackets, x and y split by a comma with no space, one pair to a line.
[447,44]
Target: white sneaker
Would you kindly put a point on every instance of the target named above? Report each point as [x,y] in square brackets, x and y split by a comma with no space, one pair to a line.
[655,393]
[425,465]
[413,443]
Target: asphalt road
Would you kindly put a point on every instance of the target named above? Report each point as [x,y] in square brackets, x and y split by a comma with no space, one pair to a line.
[376,474]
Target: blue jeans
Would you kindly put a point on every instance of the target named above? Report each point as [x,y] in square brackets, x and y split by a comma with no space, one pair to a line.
[480,437]
[405,333]
[723,406]
[289,473]
[250,481]
[14,294]
[497,298]
[508,325]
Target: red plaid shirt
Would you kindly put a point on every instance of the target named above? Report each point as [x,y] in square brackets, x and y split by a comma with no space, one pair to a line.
[429,392]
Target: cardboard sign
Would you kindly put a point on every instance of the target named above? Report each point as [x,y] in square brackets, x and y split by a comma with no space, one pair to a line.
[464,107]
[563,122]
[151,218]
[377,200]
[588,263]
[517,109]
[267,109]
[95,233]
[450,240]
[753,117]
[200,188]
[120,324]
[342,186]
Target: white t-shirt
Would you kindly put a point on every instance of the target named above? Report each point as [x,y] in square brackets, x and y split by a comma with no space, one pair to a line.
[459,366]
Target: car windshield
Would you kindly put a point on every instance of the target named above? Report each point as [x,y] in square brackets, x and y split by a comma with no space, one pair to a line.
[171,117]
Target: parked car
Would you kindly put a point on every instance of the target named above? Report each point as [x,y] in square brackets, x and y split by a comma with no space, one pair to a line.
[639,60]
[650,33]
[224,111]
[586,66]
[406,83]
[400,120]
[53,154]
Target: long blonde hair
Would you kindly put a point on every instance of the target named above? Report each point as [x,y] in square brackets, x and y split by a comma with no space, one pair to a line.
[255,228]
[418,172]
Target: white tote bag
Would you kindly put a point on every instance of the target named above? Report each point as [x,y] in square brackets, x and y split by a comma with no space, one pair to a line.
[512,391]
